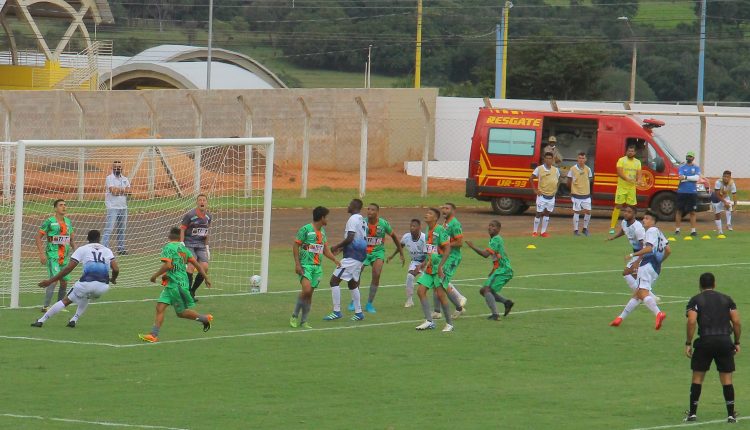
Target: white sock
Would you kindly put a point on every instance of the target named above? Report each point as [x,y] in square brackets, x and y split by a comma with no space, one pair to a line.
[586,219]
[718,225]
[651,304]
[630,307]
[692,230]
[357,299]
[536,223]
[458,293]
[336,297]
[677,229]
[729,217]
[545,223]
[57,307]
[82,305]
[576,217]
[409,285]
[632,282]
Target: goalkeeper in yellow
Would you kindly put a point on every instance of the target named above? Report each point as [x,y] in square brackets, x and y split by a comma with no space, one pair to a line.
[55,254]
[628,176]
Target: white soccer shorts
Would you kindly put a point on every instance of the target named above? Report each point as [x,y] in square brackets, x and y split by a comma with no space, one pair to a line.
[87,290]
[581,204]
[542,204]
[630,263]
[647,276]
[721,207]
[350,269]
[414,265]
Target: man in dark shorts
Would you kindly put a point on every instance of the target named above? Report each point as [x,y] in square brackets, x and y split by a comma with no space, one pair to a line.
[194,226]
[716,317]
[687,193]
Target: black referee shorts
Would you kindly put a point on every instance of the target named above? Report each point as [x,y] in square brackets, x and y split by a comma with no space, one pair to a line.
[713,348]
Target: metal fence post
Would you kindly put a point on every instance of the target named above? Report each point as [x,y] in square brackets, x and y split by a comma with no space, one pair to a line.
[248,148]
[305,148]
[198,150]
[152,152]
[702,144]
[426,148]
[81,151]
[362,148]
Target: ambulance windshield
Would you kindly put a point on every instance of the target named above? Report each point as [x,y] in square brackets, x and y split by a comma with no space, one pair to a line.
[667,149]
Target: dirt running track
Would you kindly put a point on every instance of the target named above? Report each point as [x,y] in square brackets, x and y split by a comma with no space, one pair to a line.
[286,222]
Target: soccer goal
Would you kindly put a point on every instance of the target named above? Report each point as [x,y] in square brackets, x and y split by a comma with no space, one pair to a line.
[166,176]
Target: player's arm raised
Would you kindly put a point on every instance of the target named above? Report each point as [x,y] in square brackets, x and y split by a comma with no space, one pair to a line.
[67,269]
[483,252]
[399,248]
[201,270]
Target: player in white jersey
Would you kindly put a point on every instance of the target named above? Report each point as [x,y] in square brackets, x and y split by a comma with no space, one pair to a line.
[650,258]
[354,246]
[724,199]
[97,260]
[414,241]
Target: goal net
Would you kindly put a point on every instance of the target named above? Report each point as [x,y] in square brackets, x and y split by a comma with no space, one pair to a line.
[165,176]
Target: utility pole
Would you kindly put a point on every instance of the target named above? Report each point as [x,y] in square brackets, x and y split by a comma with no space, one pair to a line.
[210,42]
[633,58]
[418,61]
[501,52]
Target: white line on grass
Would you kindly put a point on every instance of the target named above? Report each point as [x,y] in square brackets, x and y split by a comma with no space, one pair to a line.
[298,331]
[691,424]
[98,423]
[457,281]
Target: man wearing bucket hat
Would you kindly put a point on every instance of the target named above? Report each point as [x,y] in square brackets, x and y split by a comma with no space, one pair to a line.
[551,146]
[687,193]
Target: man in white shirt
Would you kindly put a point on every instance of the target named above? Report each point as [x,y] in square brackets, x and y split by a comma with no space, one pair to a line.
[117,190]
[724,199]
[414,241]
[97,260]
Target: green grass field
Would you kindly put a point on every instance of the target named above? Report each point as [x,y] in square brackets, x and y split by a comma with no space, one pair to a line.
[552,363]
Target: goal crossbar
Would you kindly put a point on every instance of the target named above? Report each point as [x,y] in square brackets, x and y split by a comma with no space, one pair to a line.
[22,145]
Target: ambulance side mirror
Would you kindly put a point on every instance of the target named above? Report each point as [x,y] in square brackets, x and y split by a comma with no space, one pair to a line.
[659,164]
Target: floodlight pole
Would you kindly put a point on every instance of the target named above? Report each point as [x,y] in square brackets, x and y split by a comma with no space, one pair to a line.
[418,59]
[701,53]
[210,42]
[633,59]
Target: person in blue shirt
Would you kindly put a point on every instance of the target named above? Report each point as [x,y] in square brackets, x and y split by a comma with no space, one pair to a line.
[687,193]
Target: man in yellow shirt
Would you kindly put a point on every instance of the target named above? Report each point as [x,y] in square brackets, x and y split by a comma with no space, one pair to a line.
[628,176]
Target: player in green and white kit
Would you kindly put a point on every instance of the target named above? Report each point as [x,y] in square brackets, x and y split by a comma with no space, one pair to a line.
[437,248]
[377,229]
[501,271]
[173,272]
[456,233]
[58,230]
[310,244]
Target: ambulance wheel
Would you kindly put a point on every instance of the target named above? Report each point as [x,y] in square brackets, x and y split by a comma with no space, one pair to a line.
[664,206]
[507,206]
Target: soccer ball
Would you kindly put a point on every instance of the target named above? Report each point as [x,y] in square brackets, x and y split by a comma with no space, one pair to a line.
[255,283]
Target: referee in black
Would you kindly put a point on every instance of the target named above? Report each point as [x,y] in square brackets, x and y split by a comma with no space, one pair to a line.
[716,317]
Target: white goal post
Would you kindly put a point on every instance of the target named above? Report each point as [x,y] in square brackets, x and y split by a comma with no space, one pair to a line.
[166,175]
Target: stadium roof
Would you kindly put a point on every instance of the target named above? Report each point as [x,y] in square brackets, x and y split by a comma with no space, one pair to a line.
[100,11]
[184,67]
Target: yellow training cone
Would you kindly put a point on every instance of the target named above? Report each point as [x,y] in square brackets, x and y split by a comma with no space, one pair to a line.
[688,238]
[721,236]
[706,237]
[671,239]
[531,247]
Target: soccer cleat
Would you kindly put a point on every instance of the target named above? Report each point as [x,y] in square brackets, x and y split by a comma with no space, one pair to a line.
[293,322]
[575,233]
[677,232]
[690,417]
[148,338]
[659,319]
[586,232]
[44,309]
[462,301]
[37,324]
[508,306]
[457,313]
[305,324]
[409,303]
[333,316]
[732,418]
[534,234]
[545,234]
[447,328]
[207,324]
[729,227]
[693,233]
[616,322]
[427,325]
[370,308]
[494,317]
[359,316]
[611,231]
[350,308]
[71,324]
[436,315]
